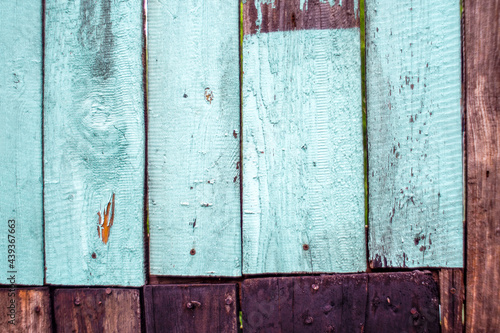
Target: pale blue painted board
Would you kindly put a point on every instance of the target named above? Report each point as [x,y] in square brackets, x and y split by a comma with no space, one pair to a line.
[194,138]
[414,133]
[21,140]
[94,141]
[303,152]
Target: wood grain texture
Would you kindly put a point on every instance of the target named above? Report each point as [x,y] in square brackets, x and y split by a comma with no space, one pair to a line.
[482,90]
[191,308]
[303,196]
[451,293]
[25,310]
[21,141]
[413,86]
[194,138]
[97,310]
[94,142]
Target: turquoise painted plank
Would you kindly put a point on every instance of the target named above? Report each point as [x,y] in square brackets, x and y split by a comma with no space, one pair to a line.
[194,138]
[21,141]
[303,192]
[94,143]
[414,133]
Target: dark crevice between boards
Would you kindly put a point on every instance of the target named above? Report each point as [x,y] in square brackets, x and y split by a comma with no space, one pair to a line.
[240,170]
[464,156]
[43,144]
[145,87]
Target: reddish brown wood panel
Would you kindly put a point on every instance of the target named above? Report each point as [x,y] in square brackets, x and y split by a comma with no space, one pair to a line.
[191,308]
[451,291]
[25,310]
[97,310]
[482,91]
[285,15]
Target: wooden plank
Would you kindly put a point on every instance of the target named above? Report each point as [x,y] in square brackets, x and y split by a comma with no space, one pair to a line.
[21,143]
[302,138]
[329,303]
[25,310]
[94,142]
[97,310]
[402,302]
[482,86]
[194,138]
[451,293]
[413,86]
[191,308]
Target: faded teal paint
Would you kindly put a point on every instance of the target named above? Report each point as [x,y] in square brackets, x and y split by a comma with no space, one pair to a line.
[194,138]
[21,141]
[303,152]
[414,133]
[94,141]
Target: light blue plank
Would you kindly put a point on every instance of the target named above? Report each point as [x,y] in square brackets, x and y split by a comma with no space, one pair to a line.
[21,141]
[414,133]
[194,138]
[303,152]
[94,142]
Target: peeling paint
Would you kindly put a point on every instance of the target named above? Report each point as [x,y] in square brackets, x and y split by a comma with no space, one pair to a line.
[104,227]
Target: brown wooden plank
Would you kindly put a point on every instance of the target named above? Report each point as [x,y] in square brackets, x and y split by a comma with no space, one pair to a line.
[191,308]
[327,303]
[482,90]
[402,302]
[451,292]
[285,15]
[25,310]
[97,310]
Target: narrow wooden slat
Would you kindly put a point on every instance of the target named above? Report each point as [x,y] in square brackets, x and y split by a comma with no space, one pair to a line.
[25,310]
[451,291]
[191,308]
[303,201]
[21,142]
[97,310]
[194,138]
[94,142]
[482,90]
[413,85]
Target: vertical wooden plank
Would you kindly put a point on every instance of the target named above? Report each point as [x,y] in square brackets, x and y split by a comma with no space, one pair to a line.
[97,310]
[25,310]
[191,308]
[451,293]
[402,302]
[482,87]
[413,85]
[94,142]
[194,138]
[21,143]
[303,196]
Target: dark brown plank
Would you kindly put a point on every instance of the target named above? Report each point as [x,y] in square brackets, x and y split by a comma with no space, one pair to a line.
[97,310]
[482,91]
[285,15]
[30,312]
[327,303]
[191,308]
[402,302]
[451,292]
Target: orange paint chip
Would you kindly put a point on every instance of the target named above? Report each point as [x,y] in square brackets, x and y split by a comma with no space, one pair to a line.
[104,227]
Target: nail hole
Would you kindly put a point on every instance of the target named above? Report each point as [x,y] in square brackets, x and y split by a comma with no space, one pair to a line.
[305,247]
[192,252]
[94,255]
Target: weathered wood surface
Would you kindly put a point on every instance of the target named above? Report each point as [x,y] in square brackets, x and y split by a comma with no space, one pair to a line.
[482,90]
[97,310]
[25,310]
[194,138]
[413,85]
[303,196]
[393,302]
[451,292]
[94,142]
[21,142]
[191,308]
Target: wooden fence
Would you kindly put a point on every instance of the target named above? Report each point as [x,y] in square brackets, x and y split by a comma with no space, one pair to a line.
[263,166]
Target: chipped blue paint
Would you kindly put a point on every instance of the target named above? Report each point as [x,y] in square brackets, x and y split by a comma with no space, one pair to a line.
[414,133]
[21,142]
[303,193]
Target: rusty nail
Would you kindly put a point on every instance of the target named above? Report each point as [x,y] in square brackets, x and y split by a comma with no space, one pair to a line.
[77,301]
[309,320]
[100,303]
[192,252]
[193,304]
[388,300]
[189,305]
[37,309]
[414,313]
[453,290]
[229,300]
[305,247]
[315,286]
[108,291]
[94,255]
